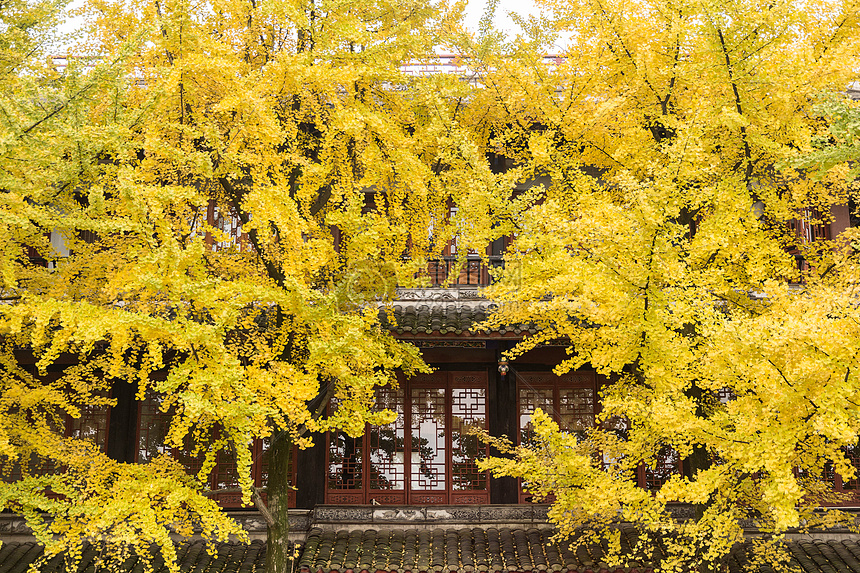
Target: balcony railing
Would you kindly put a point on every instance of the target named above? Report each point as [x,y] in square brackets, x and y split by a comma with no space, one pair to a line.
[449,271]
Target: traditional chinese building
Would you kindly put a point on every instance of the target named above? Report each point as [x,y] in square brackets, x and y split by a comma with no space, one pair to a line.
[409,496]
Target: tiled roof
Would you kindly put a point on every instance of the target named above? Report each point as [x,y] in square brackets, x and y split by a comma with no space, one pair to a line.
[193,558]
[475,550]
[505,550]
[442,317]
[431,317]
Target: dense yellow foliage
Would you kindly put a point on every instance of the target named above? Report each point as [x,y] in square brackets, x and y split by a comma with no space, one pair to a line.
[658,246]
[292,121]
[660,249]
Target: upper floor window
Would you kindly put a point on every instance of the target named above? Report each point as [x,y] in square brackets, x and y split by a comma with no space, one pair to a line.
[667,463]
[453,267]
[810,225]
[426,456]
[226,221]
[851,487]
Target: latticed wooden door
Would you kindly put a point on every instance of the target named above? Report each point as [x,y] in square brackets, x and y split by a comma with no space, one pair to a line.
[427,456]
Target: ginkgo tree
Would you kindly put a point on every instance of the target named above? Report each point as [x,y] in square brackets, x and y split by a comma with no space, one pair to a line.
[666,249]
[295,124]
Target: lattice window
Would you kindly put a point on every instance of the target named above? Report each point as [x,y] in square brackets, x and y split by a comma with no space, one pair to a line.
[345,462]
[228,223]
[468,411]
[428,439]
[92,425]
[152,428]
[810,225]
[619,426]
[387,445]
[426,456]
[530,399]
[576,409]
[852,453]
[829,472]
[667,464]
[261,461]
[346,466]
[225,474]
[725,395]
[153,425]
[193,454]
[571,400]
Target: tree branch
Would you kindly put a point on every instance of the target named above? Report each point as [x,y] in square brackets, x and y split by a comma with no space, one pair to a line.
[272,270]
[261,507]
[738,108]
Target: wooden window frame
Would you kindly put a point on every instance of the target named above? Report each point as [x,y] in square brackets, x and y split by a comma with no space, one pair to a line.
[642,473]
[362,495]
[15,473]
[571,380]
[548,380]
[838,483]
[227,500]
[71,431]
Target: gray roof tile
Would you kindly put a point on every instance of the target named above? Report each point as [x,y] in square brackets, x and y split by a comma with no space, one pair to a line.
[442,317]
[474,550]
[192,556]
[493,550]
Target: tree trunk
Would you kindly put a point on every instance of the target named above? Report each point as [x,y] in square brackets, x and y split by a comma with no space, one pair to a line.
[700,460]
[279,551]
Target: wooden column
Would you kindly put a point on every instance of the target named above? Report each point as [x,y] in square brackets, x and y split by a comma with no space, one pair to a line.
[122,424]
[312,474]
[502,401]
